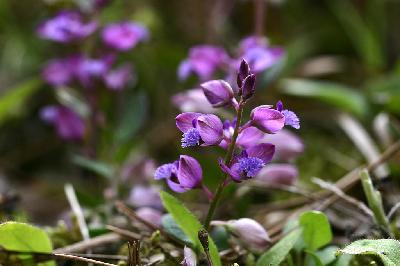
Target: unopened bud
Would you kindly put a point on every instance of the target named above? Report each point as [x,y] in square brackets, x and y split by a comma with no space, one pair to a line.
[244,71]
[203,237]
[249,87]
[250,233]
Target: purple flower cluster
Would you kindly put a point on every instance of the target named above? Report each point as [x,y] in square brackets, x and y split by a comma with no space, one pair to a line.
[205,60]
[81,70]
[247,152]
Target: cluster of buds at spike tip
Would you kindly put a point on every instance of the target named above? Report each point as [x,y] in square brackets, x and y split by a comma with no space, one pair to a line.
[246,81]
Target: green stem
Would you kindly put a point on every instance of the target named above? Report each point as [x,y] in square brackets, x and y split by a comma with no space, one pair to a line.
[228,158]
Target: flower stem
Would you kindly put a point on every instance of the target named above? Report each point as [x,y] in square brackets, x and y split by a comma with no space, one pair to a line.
[227,161]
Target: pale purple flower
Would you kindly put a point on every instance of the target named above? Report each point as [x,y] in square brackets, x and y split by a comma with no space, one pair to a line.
[288,145]
[124,36]
[258,54]
[278,173]
[267,119]
[150,215]
[249,162]
[291,118]
[145,196]
[192,100]
[204,61]
[218,92]
[87,70]
[199,129]
[69,125]
[58,72]
[247,137]
[189,257]
[65,27]
[117,79]
[181,175]
[250,232]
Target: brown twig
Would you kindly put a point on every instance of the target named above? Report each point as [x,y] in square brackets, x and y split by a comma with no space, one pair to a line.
[93,242]
[124,233]
[77,258]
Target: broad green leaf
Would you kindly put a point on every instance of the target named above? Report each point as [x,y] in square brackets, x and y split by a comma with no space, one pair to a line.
[388,250]
[25,238]
[12,102]
[169,224]
[97,167]
[327,255]
[276,254]
[335,94]
[188,223]
[316,229]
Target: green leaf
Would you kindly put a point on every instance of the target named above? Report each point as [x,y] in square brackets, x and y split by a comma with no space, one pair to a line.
[316,229]
[12,102]
[316,259]
[25,238]
[388,250]
[97,167]
[275,255]
[335,94]
[171,227]
[188,223]
[327,255]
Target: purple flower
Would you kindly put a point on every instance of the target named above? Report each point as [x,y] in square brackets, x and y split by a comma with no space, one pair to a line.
[69,125]
[249,162]
[67,26]
[267,119]
[189,257]
[217,92]
[291,118]
[145,196]
[288,145]
[150,215]
[284,174]
[86,70]
[58,72]
[192,100]
[247,137]
[199,129]
[117,79]
[181,175]
[203,60]
[250,233]
[124,36]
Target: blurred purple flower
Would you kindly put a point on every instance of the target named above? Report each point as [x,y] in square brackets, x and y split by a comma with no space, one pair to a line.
[181,175]
[58,72]
[267,119]
[69,125]
[145,196]
[203,61]
[247,137]
[150,215]
[249,162]
[217,92]
[124,36]
[139,169]
[199,129]
[288,145]
[189,257]
[65,27]
[87,69]
[280,174]
[250,233]
[192,100]
[117,79]
[258,54]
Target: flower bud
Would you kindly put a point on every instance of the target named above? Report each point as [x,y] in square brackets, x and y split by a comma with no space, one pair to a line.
[152,216]
[244,71]
[217,92]
[250,232]
[249,87]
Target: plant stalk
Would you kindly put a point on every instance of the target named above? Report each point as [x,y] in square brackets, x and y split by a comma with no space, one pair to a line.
[227,161]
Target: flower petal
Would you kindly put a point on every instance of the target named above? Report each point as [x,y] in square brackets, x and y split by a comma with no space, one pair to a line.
[266,119]
[189,172]
[217,92]
[291,119]
[263,151]
[176,187]
[210,128]
[249,137]
[184,121]
[165,171]
[233,172]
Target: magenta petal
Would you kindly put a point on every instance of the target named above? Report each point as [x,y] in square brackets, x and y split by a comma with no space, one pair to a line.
[189,172]
[176,187]
[184,121]
[210,128]
[217,92]
[234,172]
[266,119]
[263,151]
[249,137]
